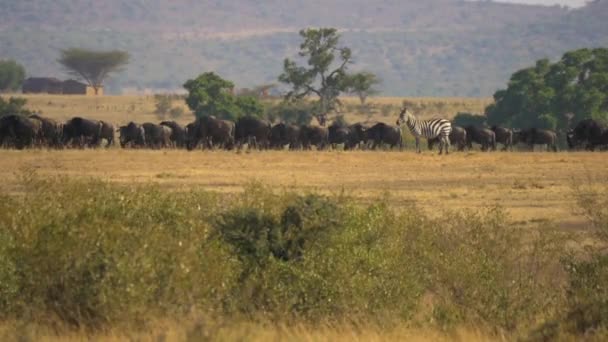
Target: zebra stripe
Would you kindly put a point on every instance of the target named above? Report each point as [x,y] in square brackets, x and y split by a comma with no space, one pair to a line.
[428,129]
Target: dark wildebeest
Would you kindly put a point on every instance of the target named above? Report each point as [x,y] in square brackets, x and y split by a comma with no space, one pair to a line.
[106,131]
[132,135]
[19,131]
[482,136]
[356,136]
[178,133]
[314,136]
[589,134]
[283,134]
[80,132]
[338,134]
[458,138]
[156,136]
[382,134]
[535,136]
[252,131]
[50,132]
[211,132]
[504,136]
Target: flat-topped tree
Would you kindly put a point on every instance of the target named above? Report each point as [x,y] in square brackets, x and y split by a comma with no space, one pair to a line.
[93,66]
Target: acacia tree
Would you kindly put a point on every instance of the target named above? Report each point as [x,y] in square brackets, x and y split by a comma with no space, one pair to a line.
[325,75]
[363,85]
[12,75]
[93,66]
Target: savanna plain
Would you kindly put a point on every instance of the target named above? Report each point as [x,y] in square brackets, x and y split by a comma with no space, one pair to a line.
[116,244]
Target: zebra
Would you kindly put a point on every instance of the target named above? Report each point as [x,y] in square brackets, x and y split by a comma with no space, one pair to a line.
[428,129]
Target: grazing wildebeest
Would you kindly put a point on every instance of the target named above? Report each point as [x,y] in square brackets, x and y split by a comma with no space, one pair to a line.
[132,135]
[535,136]
[338,134]
[178,133]
[156,136]
[504,136]
[19,131]
[252,131]
[382,134]
[458,138]
[482,136]
[80,132]
[314,136]
[589,134]
[50,132]
[283,134]
[211,132]
[428,129]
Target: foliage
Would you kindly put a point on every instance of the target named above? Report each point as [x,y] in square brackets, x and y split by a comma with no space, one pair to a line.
[12,75]
[323,78]
[209,94]
[14,105]
[93,254]
[296,112]
[362,84]
[91,65]
[465,119]
[555,95]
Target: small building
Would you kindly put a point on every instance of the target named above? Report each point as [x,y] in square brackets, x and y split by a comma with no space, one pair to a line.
[72,87]
[42,85]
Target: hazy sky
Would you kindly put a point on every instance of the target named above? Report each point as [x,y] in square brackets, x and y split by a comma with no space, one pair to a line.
[571,3]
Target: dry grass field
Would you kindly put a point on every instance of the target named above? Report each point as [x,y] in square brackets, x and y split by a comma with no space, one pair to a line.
[531,186]
[140,108]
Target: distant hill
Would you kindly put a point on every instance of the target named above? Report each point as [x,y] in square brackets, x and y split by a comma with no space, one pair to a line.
[419,48]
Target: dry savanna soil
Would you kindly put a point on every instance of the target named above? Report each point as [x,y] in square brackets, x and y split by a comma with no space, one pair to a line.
[532,186]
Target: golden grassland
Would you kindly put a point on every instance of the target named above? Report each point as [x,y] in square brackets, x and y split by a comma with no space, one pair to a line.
[532,186]
[203,330]
[140,108]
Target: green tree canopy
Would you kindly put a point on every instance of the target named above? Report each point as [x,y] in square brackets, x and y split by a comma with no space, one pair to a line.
[12,75]
[362,84]
[93,66]
[555,95]
[14,105]
[209,94]
[325,75]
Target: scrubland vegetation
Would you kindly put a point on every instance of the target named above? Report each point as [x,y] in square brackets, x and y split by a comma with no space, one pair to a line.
[88,257]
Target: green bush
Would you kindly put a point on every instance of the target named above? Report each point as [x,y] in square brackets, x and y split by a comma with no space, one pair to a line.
[94,254]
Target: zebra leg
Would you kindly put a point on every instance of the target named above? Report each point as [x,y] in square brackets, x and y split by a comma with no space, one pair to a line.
[447,145]
[417,144]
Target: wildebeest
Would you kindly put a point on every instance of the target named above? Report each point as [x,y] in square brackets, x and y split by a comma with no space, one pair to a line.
[252,131]
[79,132]
[178,133]
[382,134]
[50,131]
[106,131]
[156,136]
[356,136]
[504,136]
[338,134]
[283,134]
[210,131]
[535,136]
[589,134]
[19,131]
[458,138]
[132,135]
[314,136]
[482,136]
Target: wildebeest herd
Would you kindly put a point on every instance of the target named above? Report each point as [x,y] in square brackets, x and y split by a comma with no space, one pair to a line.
[209,132]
